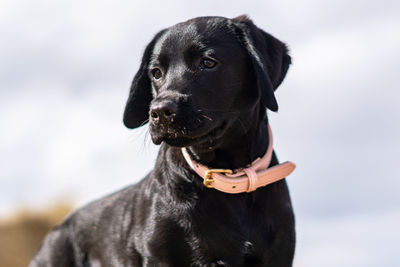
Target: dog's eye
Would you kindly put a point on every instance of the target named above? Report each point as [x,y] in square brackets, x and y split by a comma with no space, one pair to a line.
[208,63]
[157,74]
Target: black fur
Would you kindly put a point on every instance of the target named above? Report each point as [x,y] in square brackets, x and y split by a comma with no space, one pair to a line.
[219,114]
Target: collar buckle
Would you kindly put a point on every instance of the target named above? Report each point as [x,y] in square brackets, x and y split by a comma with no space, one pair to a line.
[208,180]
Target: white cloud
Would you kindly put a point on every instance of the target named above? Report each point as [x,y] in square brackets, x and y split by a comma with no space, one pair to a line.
[63,145]
[368,240]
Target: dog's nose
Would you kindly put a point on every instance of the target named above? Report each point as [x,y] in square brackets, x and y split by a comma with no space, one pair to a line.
[164,112]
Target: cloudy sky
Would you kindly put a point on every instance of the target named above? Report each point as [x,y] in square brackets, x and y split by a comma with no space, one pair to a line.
[65,71]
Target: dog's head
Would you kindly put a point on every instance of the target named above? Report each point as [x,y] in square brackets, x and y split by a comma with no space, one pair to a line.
[197,78]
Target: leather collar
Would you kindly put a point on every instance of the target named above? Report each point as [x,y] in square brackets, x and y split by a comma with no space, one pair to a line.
[248,179]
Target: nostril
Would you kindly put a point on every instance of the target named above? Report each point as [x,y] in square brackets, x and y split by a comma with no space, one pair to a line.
[154,115]
[168,113]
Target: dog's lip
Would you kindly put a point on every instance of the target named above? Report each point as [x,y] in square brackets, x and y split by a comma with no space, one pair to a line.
[182,140]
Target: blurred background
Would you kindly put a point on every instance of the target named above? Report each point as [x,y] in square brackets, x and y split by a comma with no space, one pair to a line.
[65,72]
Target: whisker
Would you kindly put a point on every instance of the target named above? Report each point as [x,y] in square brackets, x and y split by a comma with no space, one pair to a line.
[206,117]
[147,138]
[143,123]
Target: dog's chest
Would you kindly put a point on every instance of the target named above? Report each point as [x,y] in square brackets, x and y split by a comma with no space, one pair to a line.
[224,235]
[219,230]
[220,246]
[232,244]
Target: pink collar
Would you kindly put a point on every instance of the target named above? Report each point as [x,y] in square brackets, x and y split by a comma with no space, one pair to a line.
[246,179]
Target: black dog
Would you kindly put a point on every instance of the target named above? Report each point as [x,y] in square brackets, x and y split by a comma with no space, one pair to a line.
[205,84]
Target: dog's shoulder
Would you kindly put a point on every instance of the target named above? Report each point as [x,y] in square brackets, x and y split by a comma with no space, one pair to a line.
[116,209]
[111,216]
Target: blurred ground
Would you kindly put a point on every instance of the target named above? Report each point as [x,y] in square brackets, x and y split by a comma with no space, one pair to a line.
[21,235]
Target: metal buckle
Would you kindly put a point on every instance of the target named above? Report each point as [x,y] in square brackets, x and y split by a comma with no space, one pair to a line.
[208,180]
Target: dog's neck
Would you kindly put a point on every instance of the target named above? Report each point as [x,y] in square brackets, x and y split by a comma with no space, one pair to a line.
[241,147]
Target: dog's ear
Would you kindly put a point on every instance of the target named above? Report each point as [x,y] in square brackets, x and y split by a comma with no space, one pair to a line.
[269,56]
[140,95]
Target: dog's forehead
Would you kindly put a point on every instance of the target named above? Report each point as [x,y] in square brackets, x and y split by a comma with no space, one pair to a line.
[197,33]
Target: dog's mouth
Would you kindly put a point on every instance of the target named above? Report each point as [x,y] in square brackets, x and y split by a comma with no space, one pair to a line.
[202,136]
